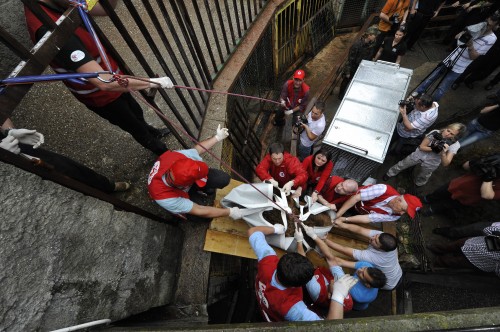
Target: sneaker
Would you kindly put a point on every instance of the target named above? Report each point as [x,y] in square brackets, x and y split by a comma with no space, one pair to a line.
[160,133]
[121,186]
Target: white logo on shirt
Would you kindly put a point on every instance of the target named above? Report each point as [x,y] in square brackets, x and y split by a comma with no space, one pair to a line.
[77,56]
[282,174]
[153,172]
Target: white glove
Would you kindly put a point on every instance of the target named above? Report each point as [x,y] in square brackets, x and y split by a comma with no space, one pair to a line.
[235,213]
[299,237]
[27,136]
[341,288]
[11,144]
[282,102]
[314,197]
[288,112]
[309,231]
[273,182]
[288,187]
[165,82]
[221,133]
[279,229]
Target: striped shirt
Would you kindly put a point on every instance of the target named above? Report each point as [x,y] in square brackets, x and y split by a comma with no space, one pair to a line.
[375,191]
[476,252]
[481,45]
[420,121]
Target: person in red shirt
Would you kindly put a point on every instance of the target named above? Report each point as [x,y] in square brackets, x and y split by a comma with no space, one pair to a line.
[110,101]
[318,167]
[336,191]
[294,97]
[281,169]
[279,281]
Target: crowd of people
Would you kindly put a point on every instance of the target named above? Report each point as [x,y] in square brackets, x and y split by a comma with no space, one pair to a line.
[291,288]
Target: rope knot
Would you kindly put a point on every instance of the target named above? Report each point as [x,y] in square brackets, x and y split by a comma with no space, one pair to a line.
[122,81]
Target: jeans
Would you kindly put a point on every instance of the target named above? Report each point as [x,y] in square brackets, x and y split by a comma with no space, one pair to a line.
[475,132]
[303,151]
[445,84]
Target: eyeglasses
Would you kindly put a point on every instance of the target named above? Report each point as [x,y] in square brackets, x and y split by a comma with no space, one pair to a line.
[171,183]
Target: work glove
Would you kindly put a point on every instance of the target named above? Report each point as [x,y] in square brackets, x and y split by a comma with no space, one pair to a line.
[27,136]
[273,182]
[279,229]
[288,112]
[309,231]
[299,237]
[283,103]
[288,187]
[164,82]
[341,288]
[11,144]
[314,197]
[221,133]
[235,213]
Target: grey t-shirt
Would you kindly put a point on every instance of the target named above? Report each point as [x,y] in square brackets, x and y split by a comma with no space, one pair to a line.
[431,158]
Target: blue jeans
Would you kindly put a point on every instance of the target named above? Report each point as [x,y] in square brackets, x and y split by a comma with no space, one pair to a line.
[445,84]
[475,132]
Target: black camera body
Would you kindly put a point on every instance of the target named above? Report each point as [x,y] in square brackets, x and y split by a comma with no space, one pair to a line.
[438,142]
[395,18]
[410,104]
[465,37]
[298,120]
[487,167]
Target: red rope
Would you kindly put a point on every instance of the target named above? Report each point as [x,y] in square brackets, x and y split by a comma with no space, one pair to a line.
[227,93]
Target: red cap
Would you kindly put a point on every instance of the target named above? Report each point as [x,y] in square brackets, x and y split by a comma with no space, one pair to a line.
[413,204]
[188,171]
[300,74]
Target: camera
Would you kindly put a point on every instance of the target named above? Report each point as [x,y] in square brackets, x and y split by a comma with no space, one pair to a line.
[487,167]
[298,120]
[395,18]
[465,37]
[410,104]
[438,142]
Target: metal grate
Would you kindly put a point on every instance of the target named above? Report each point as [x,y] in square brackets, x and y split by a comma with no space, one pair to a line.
[349,165]
[355,12]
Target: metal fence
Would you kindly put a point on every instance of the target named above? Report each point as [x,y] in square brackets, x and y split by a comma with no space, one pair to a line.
[355,12]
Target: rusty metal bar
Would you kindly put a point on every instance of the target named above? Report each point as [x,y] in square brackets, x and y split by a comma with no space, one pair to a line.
[52,175]
[249,7]
[221,21]
[145,33]
[243,15]
[144,63]
[184,56]
[191,39]
[214,30]
[205,36]
[37,63]
[173,57]
[237,15]
[228,15]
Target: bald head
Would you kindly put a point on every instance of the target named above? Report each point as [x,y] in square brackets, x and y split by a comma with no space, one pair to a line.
[346,187]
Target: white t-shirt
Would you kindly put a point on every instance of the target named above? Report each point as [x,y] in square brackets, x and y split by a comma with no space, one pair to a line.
[481,45]
[317,127]
[387,262]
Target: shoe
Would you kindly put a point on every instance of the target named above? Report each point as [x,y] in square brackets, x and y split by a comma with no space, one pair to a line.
[385,177]
[443,231]
[121,186]
[488,86]
[160,133]
[469,85]
[455,86]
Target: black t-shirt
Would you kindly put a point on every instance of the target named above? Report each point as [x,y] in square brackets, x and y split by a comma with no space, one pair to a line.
[390,53]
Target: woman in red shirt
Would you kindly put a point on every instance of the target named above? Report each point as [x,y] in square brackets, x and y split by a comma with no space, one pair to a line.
[318,167]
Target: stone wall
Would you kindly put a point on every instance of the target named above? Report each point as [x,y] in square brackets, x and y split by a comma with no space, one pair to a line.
[67,258]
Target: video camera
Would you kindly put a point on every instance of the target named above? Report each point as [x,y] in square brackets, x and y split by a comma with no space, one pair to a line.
[487,167]
[465,38]
[410,104]
[438,142]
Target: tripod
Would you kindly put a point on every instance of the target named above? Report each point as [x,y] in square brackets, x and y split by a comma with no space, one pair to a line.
[442,71]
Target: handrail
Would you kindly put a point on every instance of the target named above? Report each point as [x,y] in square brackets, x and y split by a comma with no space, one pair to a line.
[82,326]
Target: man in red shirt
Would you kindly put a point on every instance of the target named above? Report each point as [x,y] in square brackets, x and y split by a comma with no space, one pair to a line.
[281,169]
[279,281]
[336,191]
[294,96]
[379,203]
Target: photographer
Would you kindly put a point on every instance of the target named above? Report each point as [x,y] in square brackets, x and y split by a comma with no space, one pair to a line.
[437,148]
[456,63]
[467,190]
[314,127]
[417,114]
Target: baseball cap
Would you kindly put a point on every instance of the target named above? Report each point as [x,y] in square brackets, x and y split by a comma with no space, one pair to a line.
[188,171]
[300,74]
[413,204]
